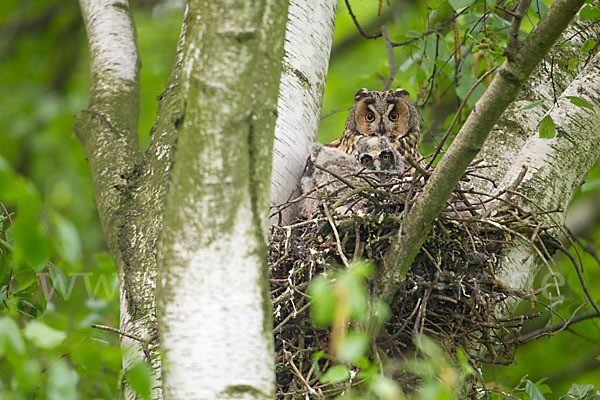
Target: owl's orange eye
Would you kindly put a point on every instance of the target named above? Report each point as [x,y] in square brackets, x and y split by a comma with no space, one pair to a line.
[370,117]
[385,157]
[366,160]
[393,116]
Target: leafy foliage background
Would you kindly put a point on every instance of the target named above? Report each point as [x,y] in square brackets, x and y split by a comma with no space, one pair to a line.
[56,278]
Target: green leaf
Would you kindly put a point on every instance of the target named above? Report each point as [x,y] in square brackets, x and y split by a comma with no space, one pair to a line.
[385,388]
[547,128]
[589,12]
[43,336]
[28,375]
[11,341]
[433,15]
[460,4]
[58,280]
[531,105]
[353,347]
[31,243]
[578,101]
[491,4]
[539,7]
[464,85]
[335,374]
[67,240]
[572,64]
[533,392]
[322,307]
[580,391]
[62,381]
[588,45]
[413,34]
[140,378]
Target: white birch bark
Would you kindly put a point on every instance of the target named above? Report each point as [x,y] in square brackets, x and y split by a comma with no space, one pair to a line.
[308,38]
[215,316]
[515,126]
[108,132]
[556,167]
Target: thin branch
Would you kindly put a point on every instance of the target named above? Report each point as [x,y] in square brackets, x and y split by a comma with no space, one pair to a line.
[512,44]
[142,341]
[430,32]
[391,60]
[439,147]
[581,279]
[120,332]
[555,328]
[360,29]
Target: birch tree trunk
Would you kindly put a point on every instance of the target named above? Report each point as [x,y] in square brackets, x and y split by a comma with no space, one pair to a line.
[205,179]
[308,39]
[556,167]
[108,133]
[215,317]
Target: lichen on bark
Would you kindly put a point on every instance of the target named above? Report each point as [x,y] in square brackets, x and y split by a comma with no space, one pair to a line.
[212,254]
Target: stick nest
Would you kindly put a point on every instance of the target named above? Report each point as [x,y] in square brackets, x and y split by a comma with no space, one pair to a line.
[450,293]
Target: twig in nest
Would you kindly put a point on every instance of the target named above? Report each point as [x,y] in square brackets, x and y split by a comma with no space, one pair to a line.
[289,316]
[337,236]
[416,166]
[479,375]
[299,375]
[420,320]
[338,177]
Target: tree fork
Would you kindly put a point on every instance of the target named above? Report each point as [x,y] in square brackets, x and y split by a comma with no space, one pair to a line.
[486,112]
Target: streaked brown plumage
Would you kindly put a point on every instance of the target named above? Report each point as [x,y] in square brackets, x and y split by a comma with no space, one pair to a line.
[373,153]
[390,114]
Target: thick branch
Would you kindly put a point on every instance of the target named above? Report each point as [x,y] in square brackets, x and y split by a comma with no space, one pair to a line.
[108,128]
[520,120]
[308,38]
[502,91]
[512,45]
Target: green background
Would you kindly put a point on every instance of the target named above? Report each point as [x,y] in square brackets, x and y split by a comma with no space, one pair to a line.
[53,238]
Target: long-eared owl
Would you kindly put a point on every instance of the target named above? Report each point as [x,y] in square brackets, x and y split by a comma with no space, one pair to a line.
[373,153]
[389,113]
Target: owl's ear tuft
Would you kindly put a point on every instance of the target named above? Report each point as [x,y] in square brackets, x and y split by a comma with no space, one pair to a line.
[361,93]
[402,93]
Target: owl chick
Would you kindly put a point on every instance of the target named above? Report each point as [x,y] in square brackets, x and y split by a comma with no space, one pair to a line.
[378,153]
[389,113]
[375,153]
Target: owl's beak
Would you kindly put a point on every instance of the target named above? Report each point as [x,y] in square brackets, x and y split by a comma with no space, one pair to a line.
[381,128]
